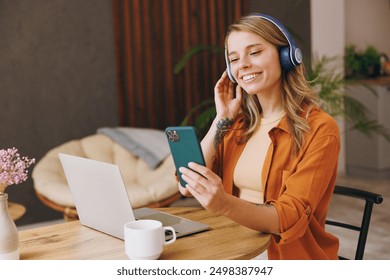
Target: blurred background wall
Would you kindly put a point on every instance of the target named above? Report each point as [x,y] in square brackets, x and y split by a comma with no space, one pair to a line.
[57,77]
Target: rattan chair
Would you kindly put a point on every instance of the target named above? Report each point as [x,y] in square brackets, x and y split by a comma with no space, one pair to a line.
[362,229]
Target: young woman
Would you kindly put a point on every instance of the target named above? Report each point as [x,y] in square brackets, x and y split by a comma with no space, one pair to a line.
[271,153]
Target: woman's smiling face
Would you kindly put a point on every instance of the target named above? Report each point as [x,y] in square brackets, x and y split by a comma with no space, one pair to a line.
[254,63]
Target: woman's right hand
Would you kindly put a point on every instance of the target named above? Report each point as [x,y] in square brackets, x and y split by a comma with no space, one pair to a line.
[226,104]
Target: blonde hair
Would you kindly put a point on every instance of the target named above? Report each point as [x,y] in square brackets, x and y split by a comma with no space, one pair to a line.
[297,92]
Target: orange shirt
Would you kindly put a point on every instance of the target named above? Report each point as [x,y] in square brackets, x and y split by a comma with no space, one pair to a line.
[299,186]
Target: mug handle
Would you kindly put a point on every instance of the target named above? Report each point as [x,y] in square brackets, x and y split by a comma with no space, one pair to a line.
[171,229]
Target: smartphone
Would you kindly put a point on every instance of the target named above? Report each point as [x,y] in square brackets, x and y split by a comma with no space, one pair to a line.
[185,147]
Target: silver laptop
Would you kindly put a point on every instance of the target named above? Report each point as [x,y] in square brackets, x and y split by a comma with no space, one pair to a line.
[102,201]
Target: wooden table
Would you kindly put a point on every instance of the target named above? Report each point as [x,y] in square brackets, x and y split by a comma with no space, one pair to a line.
[73,241]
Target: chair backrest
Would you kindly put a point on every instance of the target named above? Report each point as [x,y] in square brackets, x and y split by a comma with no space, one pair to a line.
[370,198]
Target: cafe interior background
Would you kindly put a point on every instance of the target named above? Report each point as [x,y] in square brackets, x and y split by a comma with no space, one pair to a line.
[69,67]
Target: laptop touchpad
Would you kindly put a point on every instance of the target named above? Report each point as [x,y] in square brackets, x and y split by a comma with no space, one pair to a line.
[167,220]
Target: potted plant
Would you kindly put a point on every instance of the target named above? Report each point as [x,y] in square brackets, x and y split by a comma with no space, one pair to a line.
[371,62]
[352,62]
[362,64]
[332,87]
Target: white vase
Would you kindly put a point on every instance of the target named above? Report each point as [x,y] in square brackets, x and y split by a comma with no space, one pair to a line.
[9,238]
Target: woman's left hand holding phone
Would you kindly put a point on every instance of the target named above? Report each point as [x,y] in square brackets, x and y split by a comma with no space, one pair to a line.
[206,187]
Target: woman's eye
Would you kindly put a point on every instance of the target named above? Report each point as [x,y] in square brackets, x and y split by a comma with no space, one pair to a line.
[255,52]
[233,60]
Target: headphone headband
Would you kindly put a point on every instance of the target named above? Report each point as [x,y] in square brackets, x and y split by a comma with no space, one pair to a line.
[294,52]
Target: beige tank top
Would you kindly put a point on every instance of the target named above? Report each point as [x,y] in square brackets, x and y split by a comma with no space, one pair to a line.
[247,173]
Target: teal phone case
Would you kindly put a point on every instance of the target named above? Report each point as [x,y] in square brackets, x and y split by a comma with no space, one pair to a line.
[185,147]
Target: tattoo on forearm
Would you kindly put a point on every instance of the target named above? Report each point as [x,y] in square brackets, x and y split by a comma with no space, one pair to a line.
[222,127]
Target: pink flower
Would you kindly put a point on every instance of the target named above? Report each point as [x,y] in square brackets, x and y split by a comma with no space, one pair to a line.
[13,168]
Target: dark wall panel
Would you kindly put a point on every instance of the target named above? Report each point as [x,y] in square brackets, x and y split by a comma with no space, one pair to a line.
[151,37]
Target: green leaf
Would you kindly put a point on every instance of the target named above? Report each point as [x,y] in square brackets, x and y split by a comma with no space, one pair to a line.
[203,121]
[193,51]
[207,102]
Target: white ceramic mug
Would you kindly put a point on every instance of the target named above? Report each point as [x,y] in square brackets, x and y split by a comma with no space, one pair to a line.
[145,239]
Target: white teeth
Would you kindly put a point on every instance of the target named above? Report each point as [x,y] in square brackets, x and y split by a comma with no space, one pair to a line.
[249,77]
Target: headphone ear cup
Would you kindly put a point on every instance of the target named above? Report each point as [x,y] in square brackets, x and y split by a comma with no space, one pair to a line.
[284,56]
